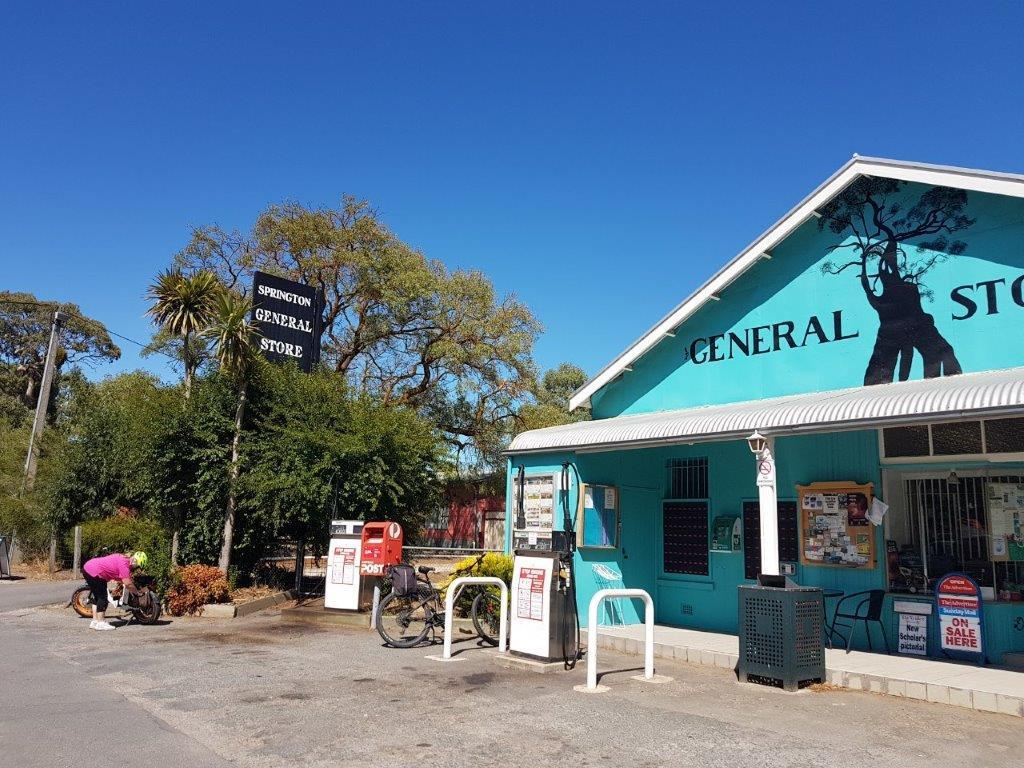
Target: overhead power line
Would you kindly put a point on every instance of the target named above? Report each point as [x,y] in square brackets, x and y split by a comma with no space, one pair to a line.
[57,307]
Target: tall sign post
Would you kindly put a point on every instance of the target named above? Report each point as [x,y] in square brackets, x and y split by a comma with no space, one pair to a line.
[288,317]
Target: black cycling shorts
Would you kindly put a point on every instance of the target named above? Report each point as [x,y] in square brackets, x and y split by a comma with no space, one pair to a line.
[97,590]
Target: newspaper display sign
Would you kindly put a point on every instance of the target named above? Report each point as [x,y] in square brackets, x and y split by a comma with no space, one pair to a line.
[959,605]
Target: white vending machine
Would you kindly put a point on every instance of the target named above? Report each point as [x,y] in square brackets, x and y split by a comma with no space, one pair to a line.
[341,586]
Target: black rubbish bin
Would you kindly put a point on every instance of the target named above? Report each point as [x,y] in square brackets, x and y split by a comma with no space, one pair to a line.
[781,639]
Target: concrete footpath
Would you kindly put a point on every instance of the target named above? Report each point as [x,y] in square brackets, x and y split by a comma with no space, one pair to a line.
[960,685]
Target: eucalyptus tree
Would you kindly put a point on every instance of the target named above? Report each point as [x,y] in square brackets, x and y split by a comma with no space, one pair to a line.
[234,339]
[398,326]
[25,323]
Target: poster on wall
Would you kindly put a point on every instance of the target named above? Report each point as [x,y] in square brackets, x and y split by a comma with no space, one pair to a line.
[913,638]
[1005,509]
[534,519]
[958,604]
[836,527]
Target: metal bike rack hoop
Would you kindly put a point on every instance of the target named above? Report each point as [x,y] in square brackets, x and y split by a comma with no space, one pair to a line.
[449,605]
[595,602]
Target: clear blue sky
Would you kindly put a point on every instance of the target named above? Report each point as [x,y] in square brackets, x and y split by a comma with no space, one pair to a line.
[599,159]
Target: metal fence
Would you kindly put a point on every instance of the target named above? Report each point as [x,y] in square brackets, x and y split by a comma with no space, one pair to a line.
[311,570]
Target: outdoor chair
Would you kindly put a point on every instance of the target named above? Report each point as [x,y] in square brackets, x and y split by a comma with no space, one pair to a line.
[864,607]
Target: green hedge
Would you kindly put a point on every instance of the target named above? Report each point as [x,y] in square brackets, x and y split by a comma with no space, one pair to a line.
[128,534]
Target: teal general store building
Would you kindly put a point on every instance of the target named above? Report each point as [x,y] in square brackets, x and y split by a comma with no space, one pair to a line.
[874,334]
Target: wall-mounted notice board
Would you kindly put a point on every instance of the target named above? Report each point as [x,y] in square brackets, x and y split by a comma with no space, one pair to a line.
[835,526]
[597,518]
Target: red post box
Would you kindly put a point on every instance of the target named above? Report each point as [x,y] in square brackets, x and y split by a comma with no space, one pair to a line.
[381,547]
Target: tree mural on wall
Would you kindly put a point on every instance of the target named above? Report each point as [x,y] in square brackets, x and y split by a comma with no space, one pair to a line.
[897,237]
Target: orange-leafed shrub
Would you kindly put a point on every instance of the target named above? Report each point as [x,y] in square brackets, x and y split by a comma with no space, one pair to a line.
[193,586]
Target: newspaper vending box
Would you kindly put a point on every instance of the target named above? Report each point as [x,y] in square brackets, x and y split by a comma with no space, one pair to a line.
[342,582]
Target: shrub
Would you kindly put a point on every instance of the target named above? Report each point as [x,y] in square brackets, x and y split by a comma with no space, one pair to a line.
[20,519]
[127,534]
[493,564]
[193,586]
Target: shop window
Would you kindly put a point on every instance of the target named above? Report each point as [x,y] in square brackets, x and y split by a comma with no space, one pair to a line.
[438,520]
[906,441]
[685,537]
[1004,436]
[945,527]
[687,478]
[789,536]
[958,437]
[954,438]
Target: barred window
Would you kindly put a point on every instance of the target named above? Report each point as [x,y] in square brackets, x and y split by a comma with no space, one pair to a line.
[687,478]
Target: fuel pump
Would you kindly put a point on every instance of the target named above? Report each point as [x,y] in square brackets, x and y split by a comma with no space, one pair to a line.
[545,621]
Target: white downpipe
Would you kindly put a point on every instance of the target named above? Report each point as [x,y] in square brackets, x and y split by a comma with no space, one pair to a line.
[595,604]
[449,605]
[769,504]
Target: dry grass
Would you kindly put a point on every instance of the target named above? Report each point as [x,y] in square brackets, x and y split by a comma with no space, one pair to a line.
[826,688]
[247,594]
[39,570]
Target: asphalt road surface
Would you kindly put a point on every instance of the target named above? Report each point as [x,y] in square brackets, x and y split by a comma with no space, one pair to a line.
[26,593]
[262,692]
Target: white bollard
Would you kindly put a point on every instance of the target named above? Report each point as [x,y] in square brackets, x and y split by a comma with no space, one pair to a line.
[449,606]
[376,604]
[595,603]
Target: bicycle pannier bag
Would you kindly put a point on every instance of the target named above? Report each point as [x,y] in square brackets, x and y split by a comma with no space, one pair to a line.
[403,580]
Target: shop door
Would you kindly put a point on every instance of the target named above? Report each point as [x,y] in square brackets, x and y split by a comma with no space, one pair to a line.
[638,553]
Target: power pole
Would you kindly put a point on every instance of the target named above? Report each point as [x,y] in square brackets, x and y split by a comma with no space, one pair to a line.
[41,405]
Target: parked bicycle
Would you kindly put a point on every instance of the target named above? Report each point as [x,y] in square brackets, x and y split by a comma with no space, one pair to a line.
[414,608]
[144,608]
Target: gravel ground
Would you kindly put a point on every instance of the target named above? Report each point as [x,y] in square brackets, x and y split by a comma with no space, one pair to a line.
[262,692]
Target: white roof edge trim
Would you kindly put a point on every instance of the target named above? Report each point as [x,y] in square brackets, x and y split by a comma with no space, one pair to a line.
[975,180]
[987,394]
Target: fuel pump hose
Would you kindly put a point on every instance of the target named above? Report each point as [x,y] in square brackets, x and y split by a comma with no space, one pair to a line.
[570,611]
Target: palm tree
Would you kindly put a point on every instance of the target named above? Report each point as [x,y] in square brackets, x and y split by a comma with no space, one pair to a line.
[184,306]
[234,338]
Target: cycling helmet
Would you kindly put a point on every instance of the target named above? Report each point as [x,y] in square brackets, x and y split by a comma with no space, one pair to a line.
[139,559]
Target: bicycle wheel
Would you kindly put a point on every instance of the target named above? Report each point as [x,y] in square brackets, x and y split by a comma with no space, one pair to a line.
[81,603]
[486,614]
[402,620]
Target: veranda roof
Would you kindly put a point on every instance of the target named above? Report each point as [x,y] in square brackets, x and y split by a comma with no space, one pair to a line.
[950,398]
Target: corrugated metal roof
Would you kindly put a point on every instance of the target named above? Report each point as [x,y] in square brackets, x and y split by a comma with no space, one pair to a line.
[971,395]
